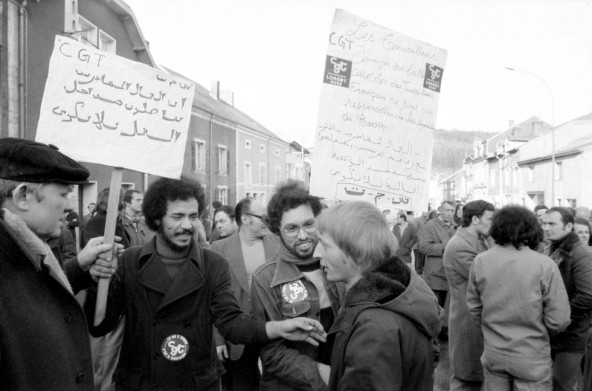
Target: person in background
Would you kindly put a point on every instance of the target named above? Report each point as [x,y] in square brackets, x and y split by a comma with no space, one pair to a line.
[131,218]
[105,349]
[384,331]
[43,334]
[518,297]
[293,284]
[582,228]
[86,218]
[72,221]
[540,211]
[458,214]
[172,291]
[245,251]
[466,342]
[433,239]
[63,246]
[225,223]
[406,237]
[574,260]
[418,224]
[583,212]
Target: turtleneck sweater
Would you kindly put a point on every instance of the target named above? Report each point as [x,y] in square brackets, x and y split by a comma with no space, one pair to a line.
[253,253]
[173,260]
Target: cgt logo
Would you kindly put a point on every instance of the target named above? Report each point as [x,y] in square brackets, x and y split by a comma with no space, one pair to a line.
[434,72]
[338,65]
[337,71]
[433,77]
[175,347]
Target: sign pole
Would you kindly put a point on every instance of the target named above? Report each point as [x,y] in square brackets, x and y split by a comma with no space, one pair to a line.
[112,214]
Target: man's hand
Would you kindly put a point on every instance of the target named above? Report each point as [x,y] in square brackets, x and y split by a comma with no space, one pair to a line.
[103,268]
[324,371]
[222,351]
[297,329]
[94,249]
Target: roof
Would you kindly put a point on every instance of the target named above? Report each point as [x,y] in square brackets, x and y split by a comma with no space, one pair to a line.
[524,131]
[206,102]
[125,13]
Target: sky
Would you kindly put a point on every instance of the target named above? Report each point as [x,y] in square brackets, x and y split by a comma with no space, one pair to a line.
[271,54]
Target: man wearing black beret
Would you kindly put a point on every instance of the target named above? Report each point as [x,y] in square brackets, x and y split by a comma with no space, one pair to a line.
[44,340]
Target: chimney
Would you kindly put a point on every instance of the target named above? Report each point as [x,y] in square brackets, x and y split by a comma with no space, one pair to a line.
[215,89]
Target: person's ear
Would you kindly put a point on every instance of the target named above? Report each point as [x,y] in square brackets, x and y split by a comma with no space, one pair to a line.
[569,227]
[245,219]
[21,197]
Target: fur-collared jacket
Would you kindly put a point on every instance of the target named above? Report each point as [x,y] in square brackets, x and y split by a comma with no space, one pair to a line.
[44,340]
[383,334]
[574,260]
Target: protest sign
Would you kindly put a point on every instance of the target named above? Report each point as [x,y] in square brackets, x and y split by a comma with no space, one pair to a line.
[376,117]
[101,108]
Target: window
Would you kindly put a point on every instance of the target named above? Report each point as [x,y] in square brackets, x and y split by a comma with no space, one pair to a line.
[88,32]
[247,144]
[198,155]
[530,174]
[558,171]
[248,174]
[262,174]
[278,174]
[222,194]
[262,148]
[222,160]
[277,152]
[106,42]
[493,178]
[90,35]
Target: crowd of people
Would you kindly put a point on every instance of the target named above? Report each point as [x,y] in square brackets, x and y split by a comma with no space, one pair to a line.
[291,295]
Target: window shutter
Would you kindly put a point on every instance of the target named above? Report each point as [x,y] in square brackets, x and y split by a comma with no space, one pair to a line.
[193,157]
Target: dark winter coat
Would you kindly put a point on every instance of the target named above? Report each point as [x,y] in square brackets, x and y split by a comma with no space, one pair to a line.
[574,260]
[156,309]
[383,334]
[44,342]
[96,227]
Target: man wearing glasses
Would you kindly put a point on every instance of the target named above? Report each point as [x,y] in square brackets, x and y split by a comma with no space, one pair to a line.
[292,284]
[245,250]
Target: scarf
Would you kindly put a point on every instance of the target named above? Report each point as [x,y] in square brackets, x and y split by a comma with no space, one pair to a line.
[34,248]
[287,256]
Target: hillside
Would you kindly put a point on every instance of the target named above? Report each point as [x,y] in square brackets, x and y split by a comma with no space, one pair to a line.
[450,148]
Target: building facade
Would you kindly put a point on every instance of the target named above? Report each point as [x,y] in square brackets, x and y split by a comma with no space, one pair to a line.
[492,172]
[231,154]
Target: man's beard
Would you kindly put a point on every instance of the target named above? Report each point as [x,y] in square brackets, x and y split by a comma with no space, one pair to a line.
[292,249]
[169,242]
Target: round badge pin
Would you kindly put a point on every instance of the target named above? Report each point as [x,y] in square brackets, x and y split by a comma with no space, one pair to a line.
[175,347]
[294,291]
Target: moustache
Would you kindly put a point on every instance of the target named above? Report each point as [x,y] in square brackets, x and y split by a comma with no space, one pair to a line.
[185,232]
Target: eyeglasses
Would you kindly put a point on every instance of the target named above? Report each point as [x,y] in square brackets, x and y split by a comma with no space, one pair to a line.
[263,218]
[292,230]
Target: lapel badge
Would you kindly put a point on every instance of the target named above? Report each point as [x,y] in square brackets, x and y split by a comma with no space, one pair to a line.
[294,291]
[175,347]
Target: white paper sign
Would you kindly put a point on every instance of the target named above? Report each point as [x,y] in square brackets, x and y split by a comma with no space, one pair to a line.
[377,112]
[101,108]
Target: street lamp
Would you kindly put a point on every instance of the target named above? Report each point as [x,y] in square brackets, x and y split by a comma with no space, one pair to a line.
[552,129]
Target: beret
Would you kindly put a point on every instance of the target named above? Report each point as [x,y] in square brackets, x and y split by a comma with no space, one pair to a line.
[29,161]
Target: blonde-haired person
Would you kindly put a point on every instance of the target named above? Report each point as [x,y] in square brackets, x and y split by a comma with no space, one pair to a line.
[384,331]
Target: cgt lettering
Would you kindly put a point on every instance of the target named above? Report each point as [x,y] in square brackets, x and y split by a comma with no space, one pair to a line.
[342,42]
[82,55]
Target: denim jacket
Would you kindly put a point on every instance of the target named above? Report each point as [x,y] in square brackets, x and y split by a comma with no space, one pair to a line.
[281,291]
